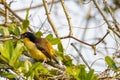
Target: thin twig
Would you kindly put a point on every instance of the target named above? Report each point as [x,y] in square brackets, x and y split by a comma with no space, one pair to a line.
[11,17]
[112,15]
[76,40]
[81,56]
[36,6]
[95,61]
[104,17]
[49,18]
[6,5]
[102,38]
[6,15]
[67,16]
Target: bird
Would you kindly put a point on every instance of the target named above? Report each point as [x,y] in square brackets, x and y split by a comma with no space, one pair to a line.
[40,49]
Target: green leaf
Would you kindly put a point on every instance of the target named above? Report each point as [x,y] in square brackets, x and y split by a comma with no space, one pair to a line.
[27,14]
[27,66]
[60,47]
[25,25]
[4,53]
[4,31]
[16,53]
[52,40]
[7,75]
[78,72]
[111,63]
[14,29]
[90,75]
[49,36]
[39,34]
[67,61]
[82,72]
[73,72]
[9,48]
[60,55]
[32,69]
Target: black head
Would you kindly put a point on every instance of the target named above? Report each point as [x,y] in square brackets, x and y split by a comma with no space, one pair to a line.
[29,35]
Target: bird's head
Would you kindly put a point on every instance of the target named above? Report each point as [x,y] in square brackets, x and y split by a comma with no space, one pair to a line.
[29,35]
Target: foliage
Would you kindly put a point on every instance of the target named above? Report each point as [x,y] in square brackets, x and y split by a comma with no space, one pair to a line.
[80,73]
[111,63]
[12,49]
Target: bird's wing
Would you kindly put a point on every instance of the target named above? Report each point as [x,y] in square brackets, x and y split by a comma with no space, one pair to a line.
[44,46]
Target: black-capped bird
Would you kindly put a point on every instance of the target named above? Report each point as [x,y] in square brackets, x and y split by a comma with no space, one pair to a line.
[39,48]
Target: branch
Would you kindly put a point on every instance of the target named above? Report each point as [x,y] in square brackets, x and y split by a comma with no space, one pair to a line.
[104,17]
[6,5]
[67,16]
[81,56]
[36,6]
[76,40]
[102,38]
[112,15]
[49,18]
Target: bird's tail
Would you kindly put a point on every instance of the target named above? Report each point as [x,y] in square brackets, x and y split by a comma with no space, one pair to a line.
[57,60]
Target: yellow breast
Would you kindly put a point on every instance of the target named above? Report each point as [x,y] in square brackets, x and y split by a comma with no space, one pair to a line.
[33,50]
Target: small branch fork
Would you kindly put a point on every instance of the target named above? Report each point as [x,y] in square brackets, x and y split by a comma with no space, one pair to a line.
[91,45]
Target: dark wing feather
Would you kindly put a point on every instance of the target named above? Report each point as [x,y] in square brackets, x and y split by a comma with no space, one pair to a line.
[43,45]
[43,50]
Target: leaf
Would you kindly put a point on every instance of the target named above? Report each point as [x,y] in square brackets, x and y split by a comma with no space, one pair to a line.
[27,13]
[111,63]
[32,69]
[39,34]
[90,75]
[82,73]
[4,31]
[60,47]
[7,75]
[52,40]
[73,72]
[25,23]
[4,53]
[27,66]
[14,29]
[67,61]
[16,53]
[9,48]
